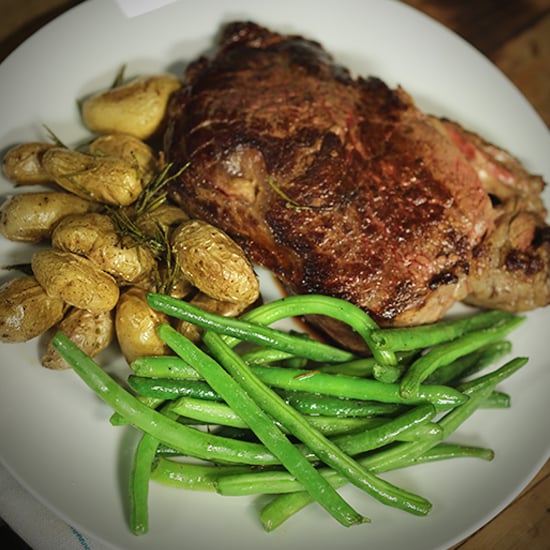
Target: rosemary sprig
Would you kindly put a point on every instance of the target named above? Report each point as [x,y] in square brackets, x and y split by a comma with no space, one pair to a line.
[127,224]
[290,201]
[155,193]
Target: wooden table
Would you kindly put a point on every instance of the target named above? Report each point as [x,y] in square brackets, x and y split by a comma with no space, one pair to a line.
[515,35]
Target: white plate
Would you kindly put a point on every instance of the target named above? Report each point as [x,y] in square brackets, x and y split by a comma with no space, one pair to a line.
[55,435]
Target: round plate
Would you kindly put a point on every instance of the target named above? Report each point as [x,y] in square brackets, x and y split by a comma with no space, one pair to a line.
[55,434]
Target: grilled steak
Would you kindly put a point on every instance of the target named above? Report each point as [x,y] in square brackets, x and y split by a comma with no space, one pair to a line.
[342,186]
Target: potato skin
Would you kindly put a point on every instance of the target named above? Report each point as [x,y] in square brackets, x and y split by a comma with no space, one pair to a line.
[75,279]
[31,217]
[129,148]
[93,235]
[214,263]
[22,164]
[137,108]
[108,180]
[91,332]
[136,323]
[26,310]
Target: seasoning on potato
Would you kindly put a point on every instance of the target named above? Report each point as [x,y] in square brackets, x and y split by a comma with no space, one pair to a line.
[94,236]
[75,279]
[214,263]
[108,180]
[22,164]
[137,108]
[91,332]
[26,310]
[136,326]
[129,148]
[31,217]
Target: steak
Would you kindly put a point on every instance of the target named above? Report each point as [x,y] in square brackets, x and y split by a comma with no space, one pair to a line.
[341,186]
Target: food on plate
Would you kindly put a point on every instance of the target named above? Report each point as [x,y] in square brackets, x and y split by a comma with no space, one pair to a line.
[136,325]
[31,217]
[137,107]
[342,186]
[129,148]
[104,179]
[22,163]
[75,279]
[27,310]
[95,236]
[91,332]
[213,263]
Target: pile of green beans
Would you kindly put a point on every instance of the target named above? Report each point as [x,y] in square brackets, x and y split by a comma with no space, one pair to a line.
[267,411]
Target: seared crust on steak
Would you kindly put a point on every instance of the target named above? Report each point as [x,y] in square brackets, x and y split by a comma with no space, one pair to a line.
[338,185]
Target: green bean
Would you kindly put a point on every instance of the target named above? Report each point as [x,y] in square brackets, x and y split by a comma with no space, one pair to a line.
[364,366]
[365,389]
[152,402]
[324,448]
[398,456]
[169,388]
[139,483]
[275,481]
[497,400]
[331,405]
[488,355]
[262,356]
[163,366]
[312,381]
[209,412]
[252,323]
[140,476]
[187,440]
[491,379]
[470,363]
[192,476]
[443,354]
[249,332]
[425,336]
[262,425]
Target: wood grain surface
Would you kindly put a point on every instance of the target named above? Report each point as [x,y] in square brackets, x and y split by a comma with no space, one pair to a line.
[515,35]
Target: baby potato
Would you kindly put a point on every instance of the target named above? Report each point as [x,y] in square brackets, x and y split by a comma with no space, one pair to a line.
[162,218]
[214,263]
[75,280]
[136,326]
[108,180]
[129,148]
[26,310]
[93,235]
[31,217]
[137,108]
[91,332]
[22,164]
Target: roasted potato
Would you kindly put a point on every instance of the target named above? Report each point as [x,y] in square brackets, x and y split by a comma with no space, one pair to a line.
[108,179]
[129,148]
[91,332]
[26,310]
[214,263]
[137,108]
[93,235]
[31,217]
[75,280]
[161,219]
[22,164]
[136,326]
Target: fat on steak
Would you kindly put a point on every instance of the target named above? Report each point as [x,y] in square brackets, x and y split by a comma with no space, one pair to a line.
[341,186]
